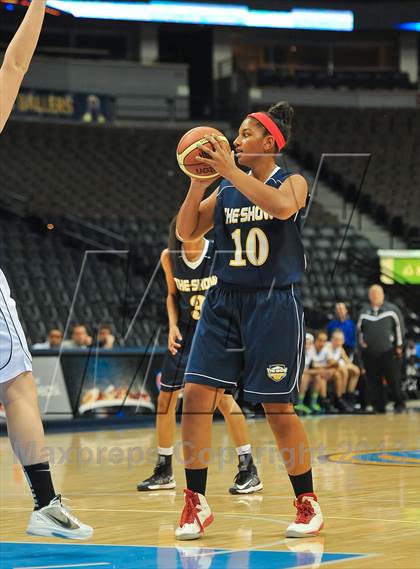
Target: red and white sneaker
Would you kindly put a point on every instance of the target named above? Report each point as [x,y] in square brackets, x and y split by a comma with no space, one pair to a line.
[195,516]
[309,520]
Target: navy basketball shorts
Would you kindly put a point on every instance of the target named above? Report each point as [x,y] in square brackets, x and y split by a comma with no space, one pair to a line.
[259,334]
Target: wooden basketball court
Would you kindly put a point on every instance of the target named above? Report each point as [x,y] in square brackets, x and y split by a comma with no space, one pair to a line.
[367,476]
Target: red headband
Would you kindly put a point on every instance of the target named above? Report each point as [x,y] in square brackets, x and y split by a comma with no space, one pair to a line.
[272,128]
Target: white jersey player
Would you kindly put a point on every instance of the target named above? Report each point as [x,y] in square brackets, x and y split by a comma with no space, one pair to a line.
[17,386]
[15,357]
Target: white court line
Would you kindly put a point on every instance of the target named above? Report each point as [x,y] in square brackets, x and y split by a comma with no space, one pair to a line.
[259,517]
[262,517]
[159,494]
[57,566]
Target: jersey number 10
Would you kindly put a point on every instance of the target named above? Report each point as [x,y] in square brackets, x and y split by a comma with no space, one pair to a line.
[256,240]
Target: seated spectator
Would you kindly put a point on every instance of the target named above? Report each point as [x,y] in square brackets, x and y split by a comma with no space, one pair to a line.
[53,342]
[350,373]
[328,371]
[79,338]
[346,324]
[105,339]
[310,377]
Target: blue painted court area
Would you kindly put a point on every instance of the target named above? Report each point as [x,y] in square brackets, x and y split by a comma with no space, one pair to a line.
[383,457]
[54,556]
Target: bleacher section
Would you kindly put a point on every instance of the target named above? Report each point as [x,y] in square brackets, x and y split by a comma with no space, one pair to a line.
[44,270]
[87,170]
[117,188]
[388,191]
[278,77]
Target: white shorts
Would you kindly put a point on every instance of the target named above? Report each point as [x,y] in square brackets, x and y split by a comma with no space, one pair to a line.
[15,357]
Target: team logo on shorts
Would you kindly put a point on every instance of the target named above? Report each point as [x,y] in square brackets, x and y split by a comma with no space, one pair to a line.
[277,372]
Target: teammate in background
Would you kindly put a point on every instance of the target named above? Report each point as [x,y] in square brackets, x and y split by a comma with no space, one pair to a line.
[17,386]
[188,275]
[349,371]
[252,321]
[329,371]
[310,378]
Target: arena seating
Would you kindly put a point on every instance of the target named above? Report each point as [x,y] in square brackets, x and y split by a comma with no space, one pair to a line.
[387,191]
[106,188]
[43,272]
[87,170]
[44,269]
[278,77]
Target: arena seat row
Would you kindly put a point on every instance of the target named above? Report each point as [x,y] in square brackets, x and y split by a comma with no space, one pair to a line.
[277,77]
[91,172]
[387,177]
[44,272]
[106,188]
[83,170]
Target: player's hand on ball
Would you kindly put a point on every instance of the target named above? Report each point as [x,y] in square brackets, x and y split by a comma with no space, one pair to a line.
[220,157]
[202,185]
[174,339]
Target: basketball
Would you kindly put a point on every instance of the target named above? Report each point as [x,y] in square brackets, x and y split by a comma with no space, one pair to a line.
[163,193]
[190,148]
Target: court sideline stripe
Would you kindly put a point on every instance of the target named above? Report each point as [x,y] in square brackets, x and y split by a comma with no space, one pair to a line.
[61,566]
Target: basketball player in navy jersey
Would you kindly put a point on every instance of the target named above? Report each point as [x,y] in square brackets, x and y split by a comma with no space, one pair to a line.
[17,386]
[188,275]
[252,320]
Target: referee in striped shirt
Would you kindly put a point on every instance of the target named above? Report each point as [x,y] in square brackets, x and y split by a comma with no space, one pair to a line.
[381,332]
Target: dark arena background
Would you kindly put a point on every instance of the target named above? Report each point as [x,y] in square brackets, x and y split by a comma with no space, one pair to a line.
[89,184]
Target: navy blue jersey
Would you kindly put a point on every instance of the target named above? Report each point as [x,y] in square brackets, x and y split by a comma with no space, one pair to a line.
[255,250]
[192,280]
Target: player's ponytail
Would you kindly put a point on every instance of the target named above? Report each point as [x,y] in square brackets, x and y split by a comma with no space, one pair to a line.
[174,244]
[282,114]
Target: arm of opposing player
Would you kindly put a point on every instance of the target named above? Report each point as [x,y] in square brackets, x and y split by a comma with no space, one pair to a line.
[196,216]
[18,57]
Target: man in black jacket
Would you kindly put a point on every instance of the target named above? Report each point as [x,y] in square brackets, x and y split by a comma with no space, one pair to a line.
[381,333]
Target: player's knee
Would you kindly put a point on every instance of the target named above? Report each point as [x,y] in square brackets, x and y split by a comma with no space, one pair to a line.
[200,398]
[226,404]
[21,387]
[166,401]
[279,414]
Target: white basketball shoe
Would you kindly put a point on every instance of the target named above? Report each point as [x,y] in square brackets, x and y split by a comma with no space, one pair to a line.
[309,520]
[195,516]
[55,521]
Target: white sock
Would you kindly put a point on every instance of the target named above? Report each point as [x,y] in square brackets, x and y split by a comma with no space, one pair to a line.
[244,449]
[166,451]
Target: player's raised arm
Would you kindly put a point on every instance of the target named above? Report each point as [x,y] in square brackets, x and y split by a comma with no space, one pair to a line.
[196,216]
[18,57]
[282,205]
